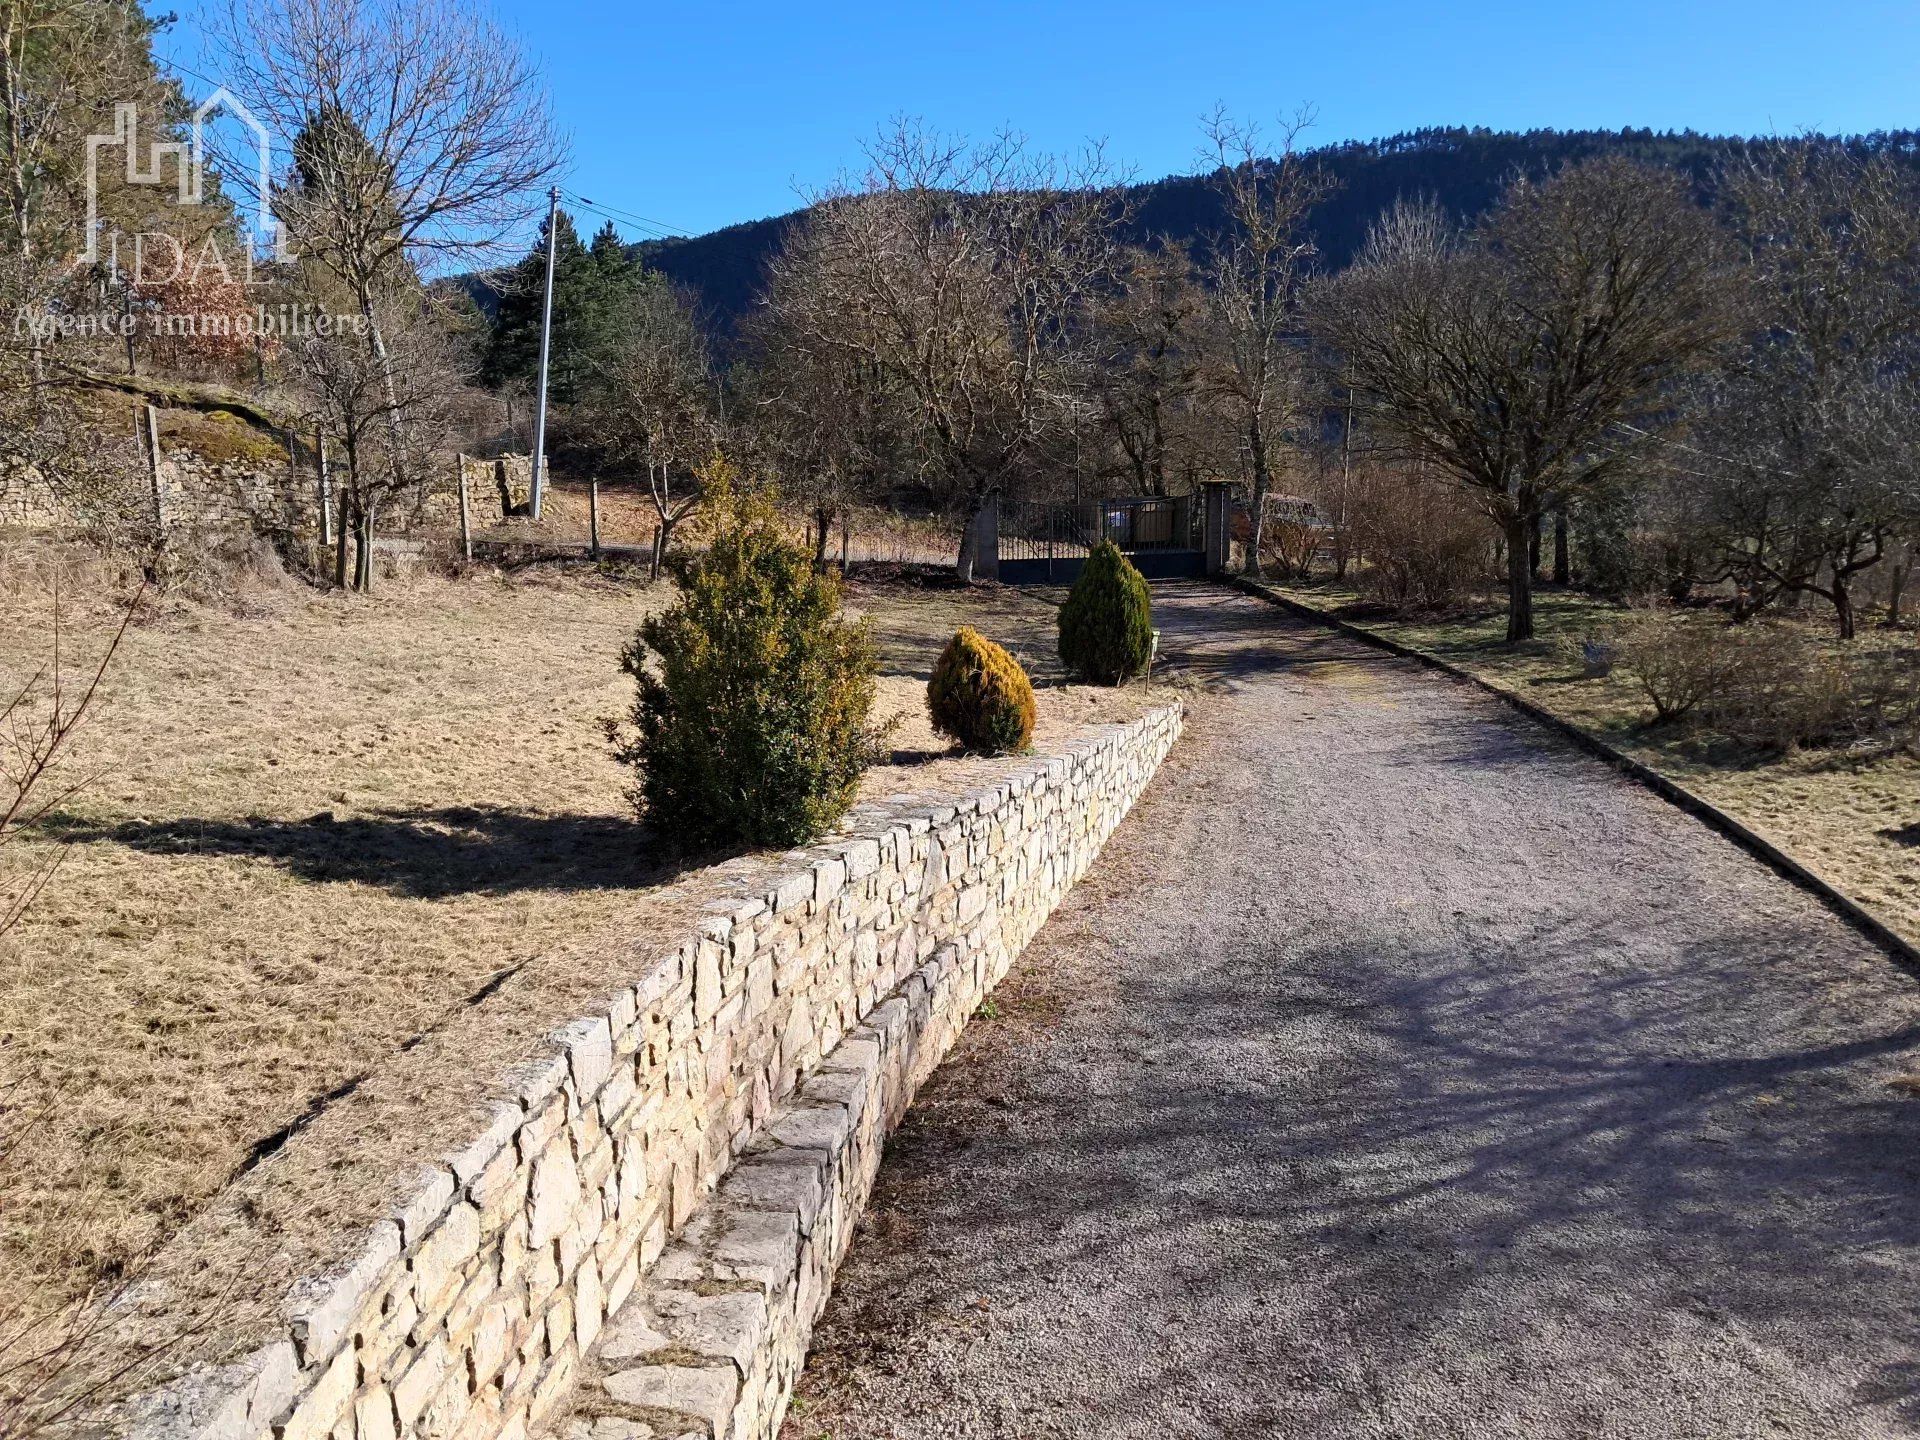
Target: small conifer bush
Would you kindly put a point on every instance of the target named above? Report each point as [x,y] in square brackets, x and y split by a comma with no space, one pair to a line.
[1106,626]
[750,728]
[980,696]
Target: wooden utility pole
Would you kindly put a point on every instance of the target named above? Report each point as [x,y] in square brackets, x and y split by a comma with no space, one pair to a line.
[326,491]
[593,517]
[150,444]
[466,509]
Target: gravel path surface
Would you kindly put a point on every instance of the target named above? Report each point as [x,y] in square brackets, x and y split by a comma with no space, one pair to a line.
[1399,1071]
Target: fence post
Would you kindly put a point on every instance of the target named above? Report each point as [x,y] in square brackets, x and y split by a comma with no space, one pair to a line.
[150,445]
[593,517]
[466,514]
[1216,524]
[326,491]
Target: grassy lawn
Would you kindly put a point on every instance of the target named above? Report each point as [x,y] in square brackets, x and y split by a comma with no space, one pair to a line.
[1852,815]
[321,829]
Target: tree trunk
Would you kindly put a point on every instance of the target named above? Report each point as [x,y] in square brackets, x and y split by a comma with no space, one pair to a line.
[1257,517]
[396,430]
[823,526]
[1897,590]
[969,547]
[1519,529]
[659,549]
[1562,560]
[1842,599]
[1534,529]
[341,525]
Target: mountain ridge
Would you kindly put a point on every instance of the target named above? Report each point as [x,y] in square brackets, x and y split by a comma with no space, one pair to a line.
[1463,167]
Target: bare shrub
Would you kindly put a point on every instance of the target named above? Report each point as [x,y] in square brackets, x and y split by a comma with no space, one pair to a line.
[1292,540]
[1426,546]
[1684,662]
[1801,689]
[1770,686]
[1789,693]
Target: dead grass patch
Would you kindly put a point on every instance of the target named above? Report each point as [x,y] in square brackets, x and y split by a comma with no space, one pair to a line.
[345,848]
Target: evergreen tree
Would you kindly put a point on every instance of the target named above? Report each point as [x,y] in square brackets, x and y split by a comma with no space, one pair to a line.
[590,285]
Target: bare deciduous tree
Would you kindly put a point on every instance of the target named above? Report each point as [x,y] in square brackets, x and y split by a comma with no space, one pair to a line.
[957,273]
[656,406]
[1810,441]
[1533,359]
[419,132]
[1145,367]
[355,397]
[823,417]
[1254,268]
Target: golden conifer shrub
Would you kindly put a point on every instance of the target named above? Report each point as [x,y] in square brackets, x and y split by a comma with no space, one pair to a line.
[980,696]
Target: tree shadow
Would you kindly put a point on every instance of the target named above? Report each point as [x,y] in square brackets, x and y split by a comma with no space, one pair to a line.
[430,854]
[1474,1153]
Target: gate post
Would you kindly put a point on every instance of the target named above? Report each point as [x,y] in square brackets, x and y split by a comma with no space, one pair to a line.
[1217,523]
[986,540]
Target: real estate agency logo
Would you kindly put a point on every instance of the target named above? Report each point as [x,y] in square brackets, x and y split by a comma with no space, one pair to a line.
[183,164]
[158,268]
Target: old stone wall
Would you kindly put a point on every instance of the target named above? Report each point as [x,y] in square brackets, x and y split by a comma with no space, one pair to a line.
[278,497]
[777,1043]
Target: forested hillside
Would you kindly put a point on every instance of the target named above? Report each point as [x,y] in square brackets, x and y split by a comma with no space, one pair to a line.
[1463,168]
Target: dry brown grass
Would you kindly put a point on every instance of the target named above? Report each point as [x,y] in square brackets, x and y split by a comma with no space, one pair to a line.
[322,825]
[627,519]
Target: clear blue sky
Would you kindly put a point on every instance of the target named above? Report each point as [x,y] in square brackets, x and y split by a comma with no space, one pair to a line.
[702,115]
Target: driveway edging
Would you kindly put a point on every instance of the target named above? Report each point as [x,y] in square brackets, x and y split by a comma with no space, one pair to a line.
[1805,876]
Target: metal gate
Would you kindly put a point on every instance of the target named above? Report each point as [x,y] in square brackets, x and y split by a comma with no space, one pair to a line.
[1047,543]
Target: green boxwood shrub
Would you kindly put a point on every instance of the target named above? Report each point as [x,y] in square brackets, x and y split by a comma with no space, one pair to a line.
[980,696]
[1106,626]
[751,723]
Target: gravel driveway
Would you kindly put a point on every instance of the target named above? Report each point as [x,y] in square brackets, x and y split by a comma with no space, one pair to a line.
[1399,1071]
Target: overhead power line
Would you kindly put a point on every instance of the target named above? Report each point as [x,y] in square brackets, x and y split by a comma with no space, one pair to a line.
[660,229]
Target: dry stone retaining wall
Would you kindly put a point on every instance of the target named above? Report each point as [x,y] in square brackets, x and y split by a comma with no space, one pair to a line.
[778,1043]
[274,498]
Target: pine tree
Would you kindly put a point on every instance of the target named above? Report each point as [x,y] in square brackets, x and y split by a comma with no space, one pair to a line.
[589,286]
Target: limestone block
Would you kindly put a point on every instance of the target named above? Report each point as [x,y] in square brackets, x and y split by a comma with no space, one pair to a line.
[706,982]
[553,1386]
[589,1302]
[420,1383]
[424,1200]
[438,1265]
[794,890]
[555,1194]
[777,1180]
[383,1340]
[757,1246]
[632,1334]
[325,1308]
[373,1415]
[730,1326]
[812,1128]
[829,879]
[493,1337]
[706,1395]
